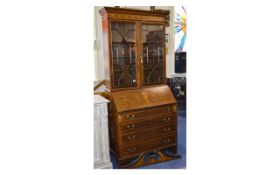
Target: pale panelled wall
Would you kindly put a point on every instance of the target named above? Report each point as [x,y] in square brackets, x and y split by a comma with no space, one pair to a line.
[98,42]
[170,59]
[98,46]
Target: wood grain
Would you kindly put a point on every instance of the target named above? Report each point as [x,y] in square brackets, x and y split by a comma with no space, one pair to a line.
[143,98]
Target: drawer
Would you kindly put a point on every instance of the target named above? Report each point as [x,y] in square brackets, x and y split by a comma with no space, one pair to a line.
[149,133]
[151,112]
[149,145]
[130,127]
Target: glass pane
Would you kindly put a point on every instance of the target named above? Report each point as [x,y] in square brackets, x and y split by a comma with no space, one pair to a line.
[153,53]
[123,54]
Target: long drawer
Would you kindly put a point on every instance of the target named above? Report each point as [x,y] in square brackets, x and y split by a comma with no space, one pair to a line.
[133,126]
[148,133]
[131,116]
[149,145]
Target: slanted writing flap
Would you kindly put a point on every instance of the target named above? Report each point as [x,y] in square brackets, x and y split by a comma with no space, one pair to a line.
[142,98]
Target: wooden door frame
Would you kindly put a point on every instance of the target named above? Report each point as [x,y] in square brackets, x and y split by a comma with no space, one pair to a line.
[111,52]
[141,52]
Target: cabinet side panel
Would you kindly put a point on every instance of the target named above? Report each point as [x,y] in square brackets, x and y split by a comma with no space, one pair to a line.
[114,132]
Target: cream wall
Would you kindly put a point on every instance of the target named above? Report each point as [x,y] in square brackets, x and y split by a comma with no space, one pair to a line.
[98,43]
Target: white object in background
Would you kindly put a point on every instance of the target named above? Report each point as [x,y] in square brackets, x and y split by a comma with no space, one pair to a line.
[178,75]
[101,137]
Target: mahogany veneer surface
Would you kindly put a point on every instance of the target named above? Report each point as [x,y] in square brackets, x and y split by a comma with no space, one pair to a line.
[143,98]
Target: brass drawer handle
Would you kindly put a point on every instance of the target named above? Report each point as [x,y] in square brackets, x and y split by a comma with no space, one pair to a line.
[130,116]
[131,137]
[165,119]
[166,141]
[131,150]
[166,109]
[166,129]
[132,126]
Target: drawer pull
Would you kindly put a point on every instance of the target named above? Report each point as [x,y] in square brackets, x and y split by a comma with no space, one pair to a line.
[130,116]
[166,109]
[131,150]
[166,129]
[132,126]
[131,137]
[166,141]
[165,119]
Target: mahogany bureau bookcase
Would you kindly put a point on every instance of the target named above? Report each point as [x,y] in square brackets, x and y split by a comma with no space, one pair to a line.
[143,111]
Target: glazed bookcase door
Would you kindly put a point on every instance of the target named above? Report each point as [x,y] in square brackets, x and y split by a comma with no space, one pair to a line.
[124,64]
[153,55]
